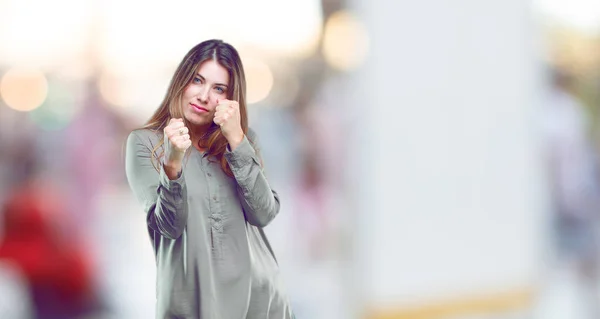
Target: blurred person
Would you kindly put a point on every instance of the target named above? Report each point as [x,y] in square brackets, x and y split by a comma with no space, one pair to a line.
[56,268]
[574,186]
[320,207]
[207,204]
[317,198]
[17,151]
[92,170]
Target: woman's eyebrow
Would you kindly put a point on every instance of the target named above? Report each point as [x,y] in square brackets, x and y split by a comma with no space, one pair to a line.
[204,79]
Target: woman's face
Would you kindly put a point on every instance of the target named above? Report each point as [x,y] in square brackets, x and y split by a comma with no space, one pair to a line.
[209,85]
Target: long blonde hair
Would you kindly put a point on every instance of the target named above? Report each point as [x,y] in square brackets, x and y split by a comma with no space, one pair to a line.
[171,107]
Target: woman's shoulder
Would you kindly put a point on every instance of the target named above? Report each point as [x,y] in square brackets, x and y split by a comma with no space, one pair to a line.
[145,136]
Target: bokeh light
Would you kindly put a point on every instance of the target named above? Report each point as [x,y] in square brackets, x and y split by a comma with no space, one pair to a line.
[23,89]
[259,80]
[345,41]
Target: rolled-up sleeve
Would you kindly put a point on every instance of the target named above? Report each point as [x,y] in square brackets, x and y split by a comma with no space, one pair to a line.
[164,200]
[259,200]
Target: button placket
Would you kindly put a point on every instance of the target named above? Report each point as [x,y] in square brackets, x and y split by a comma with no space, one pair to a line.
[217,222]
[215,217]
[213,199]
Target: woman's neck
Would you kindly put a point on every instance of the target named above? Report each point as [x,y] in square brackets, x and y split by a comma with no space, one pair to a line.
[198,135]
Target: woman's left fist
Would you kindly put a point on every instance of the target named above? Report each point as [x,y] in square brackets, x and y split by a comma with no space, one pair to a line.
[227,116]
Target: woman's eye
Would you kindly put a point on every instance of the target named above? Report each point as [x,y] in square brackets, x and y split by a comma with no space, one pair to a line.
[220,89]
[196,80]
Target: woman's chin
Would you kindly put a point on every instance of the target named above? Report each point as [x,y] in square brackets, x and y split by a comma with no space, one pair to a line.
[198,120]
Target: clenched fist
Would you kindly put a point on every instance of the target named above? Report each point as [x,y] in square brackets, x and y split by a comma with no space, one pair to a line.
[227,116]
[177,141]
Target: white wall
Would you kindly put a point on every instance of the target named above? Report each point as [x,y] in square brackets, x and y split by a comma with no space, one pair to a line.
[446,168]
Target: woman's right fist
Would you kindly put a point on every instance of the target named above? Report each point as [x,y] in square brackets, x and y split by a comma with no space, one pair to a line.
[177,140]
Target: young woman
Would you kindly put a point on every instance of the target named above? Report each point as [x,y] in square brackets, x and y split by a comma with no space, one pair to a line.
[196,169]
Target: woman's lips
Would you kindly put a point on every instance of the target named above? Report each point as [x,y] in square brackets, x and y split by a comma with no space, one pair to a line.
[198,108]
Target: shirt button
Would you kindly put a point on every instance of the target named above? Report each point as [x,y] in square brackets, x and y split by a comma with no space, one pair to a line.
[209,174]
[215,198]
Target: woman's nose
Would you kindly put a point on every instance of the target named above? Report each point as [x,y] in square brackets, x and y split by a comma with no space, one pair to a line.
[203,95]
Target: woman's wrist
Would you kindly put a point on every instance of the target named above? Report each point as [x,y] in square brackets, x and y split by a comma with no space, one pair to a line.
[172,168]
[235,140]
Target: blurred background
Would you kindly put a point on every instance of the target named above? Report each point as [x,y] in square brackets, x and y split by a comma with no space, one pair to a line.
[435,159]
